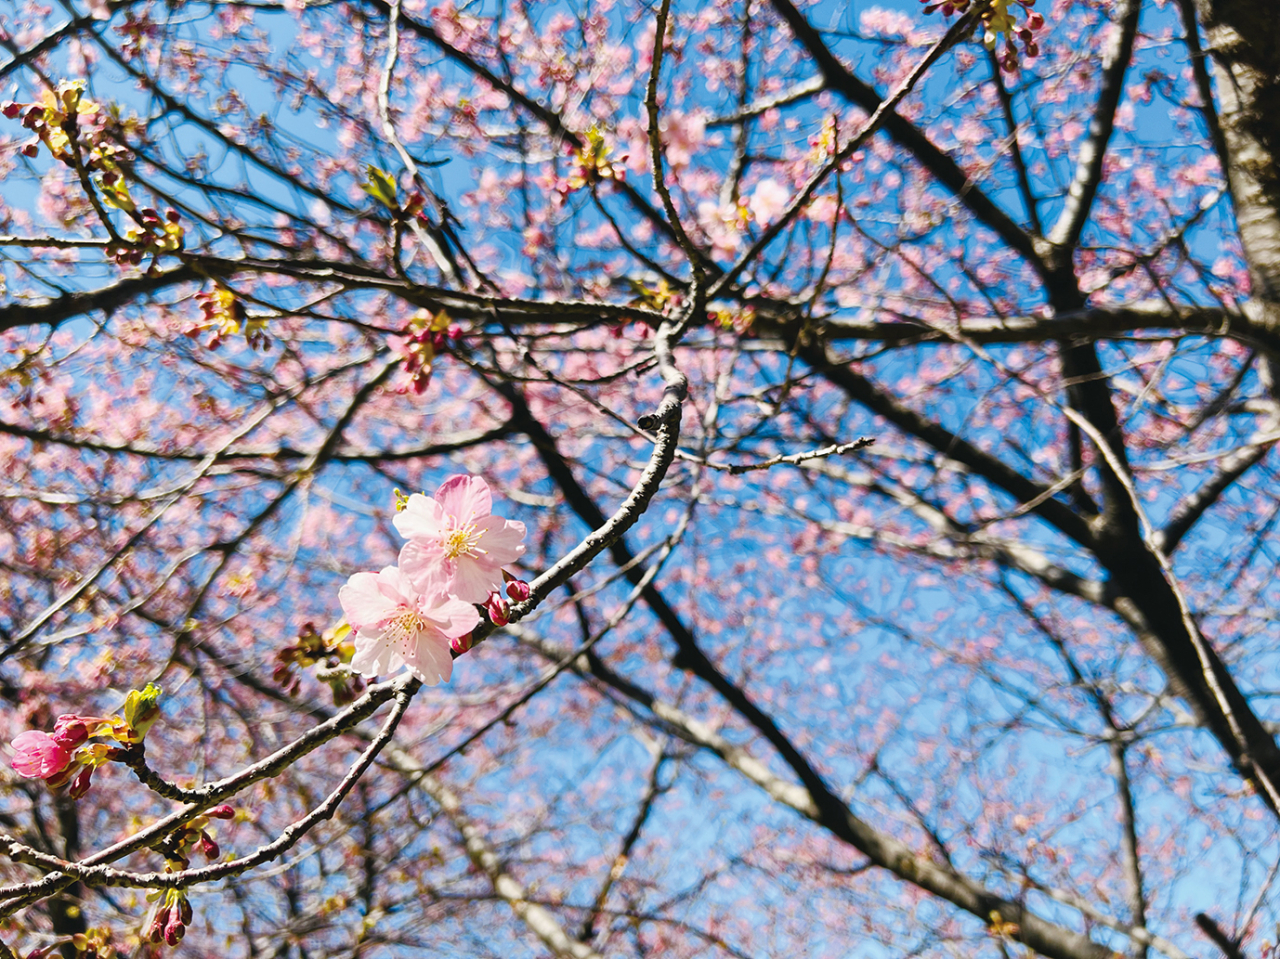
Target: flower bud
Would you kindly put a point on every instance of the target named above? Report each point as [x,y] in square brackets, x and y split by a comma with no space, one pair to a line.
[221,812]
[518,590]
[141,710]
[156,932]
[209,847]
[184,910]
[80,785]
[175,930]
[498,610]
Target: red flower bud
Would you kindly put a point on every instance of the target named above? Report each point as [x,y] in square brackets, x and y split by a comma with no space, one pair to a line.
[80,785]
[11,109]
[221,812]
[156,932]
[518,590]
[498,610]
[174,932]
[209,847]
[31,149]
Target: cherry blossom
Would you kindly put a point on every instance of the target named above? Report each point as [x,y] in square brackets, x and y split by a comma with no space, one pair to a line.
[454,531]
[398,625]
[769,200]
[40,755]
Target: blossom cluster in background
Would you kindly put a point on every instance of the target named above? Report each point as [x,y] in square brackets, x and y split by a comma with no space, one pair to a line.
[417,613]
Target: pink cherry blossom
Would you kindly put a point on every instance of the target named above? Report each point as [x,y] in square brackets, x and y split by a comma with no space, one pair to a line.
[398,625]
[455,532]
[39,755]
[769,200]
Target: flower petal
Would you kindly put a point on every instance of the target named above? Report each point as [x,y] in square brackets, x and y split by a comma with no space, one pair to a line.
[502,539]
[430,660]
[422,518]
[475,579]
[451,617]
[363,601]
[466,498]
[374,656]
[426,567]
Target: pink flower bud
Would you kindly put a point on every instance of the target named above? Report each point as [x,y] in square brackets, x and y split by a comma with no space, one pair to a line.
[11,109]
[461,644]
[498,610]
[518,590]
[72,730]
[156,932]
[175,930]
[221,812]
[31,149]
[39,756]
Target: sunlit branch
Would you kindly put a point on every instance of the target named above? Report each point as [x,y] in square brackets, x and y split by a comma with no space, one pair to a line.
[793,94]
[657,161]
[439,250]
[210,795]
[1065,233]
[102,875]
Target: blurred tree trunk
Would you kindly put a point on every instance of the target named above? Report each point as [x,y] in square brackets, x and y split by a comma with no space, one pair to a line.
[1244,47]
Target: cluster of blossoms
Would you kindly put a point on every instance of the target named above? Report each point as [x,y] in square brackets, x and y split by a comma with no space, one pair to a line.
[225,315]
[999,20]
[426,336]
[65,756]
[591,164]
[420,612]
[78,133]
[172,918]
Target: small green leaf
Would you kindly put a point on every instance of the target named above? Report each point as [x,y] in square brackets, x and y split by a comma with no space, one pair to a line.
[382,187]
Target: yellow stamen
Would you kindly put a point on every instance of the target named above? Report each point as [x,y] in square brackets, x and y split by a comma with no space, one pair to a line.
[463,541]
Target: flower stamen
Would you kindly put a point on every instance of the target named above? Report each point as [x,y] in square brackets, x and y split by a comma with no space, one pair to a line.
[462,541]
[403,627]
